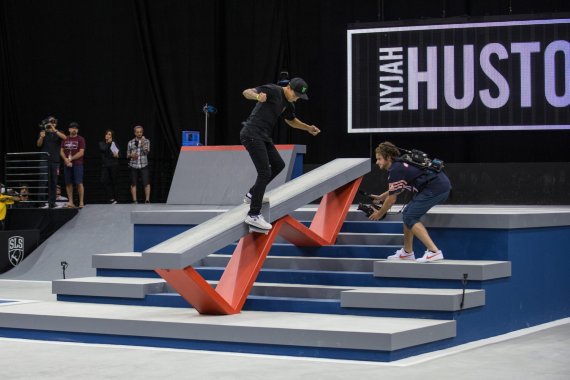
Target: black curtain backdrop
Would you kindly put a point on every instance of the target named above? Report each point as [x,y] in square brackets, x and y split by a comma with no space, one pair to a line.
[116,64]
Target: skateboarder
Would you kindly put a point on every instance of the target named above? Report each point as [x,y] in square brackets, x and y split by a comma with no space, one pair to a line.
[273,101]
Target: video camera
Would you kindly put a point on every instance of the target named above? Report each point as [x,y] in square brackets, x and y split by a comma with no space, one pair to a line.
[369,208]
[421,160]
[283,79]
[47,123]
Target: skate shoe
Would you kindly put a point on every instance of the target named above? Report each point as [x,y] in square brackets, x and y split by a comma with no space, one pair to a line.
[430,256]
[258,221]
[401,254]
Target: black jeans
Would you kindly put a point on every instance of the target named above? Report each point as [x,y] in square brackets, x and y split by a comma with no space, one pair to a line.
[53,168]
[268,163]
[109,175]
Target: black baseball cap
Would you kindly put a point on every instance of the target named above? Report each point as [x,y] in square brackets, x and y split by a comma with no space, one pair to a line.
[73,125]
[300,87]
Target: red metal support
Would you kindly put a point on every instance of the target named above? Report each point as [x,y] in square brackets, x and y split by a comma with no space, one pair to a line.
[246,261]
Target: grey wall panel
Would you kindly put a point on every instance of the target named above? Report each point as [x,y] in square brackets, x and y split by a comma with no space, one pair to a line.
[220,177]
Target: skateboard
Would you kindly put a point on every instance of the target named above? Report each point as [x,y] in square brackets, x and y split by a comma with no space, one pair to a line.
[257,230]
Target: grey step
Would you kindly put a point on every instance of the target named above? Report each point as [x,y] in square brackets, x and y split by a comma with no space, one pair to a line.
[478,270]
[119,260]
[412,298]
[298,290]
[123,287]
[301,263]
[356,238]
[192,215]
[254,327]
[127,287]
[125,261]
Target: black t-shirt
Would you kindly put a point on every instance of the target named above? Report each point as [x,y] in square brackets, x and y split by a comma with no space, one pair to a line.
[51,145]
[107,158]
[403,176]
[265,115]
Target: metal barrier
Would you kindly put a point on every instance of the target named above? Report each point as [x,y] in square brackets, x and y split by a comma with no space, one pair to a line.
[31,169]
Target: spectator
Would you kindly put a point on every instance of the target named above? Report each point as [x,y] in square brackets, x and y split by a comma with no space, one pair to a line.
[23,197]
[109,165]
[72,151]
[49,141]
[60,200]
[5,200]
[137,152]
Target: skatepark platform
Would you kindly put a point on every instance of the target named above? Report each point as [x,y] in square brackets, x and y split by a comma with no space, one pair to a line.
[338,301]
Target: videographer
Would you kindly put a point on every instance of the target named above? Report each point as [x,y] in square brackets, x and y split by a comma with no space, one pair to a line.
[49,141]
[429,188]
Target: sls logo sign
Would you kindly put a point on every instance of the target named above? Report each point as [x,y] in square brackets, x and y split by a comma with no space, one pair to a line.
[15,249]
[483,76]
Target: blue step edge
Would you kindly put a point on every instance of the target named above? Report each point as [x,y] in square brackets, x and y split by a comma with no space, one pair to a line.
[372,227]
[250,348]
[337,251]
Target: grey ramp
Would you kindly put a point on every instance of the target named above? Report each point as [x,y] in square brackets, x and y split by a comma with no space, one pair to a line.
[220,177]
[95,229]
[412,298]
[275,328]
[478,270]
[190,246]
[124,287]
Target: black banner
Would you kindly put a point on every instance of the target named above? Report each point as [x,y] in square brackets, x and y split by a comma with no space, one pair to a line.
[511,75]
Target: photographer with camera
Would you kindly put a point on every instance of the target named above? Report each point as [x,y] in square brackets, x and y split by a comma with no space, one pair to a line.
[430,188]
[49,141]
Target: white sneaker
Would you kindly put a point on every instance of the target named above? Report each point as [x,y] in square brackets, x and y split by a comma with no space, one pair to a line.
[430,256]
[258,221]
[247,199]
[401,254]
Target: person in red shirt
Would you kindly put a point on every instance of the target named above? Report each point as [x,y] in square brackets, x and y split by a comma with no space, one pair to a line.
[72,152]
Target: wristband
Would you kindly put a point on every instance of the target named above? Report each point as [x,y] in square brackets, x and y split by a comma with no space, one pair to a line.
[257,97]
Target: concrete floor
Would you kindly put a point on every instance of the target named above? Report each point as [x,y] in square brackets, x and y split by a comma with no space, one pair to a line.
[540,354]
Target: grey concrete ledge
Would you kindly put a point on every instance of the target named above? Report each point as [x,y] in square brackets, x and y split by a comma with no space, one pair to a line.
[412,298]
[476,270]
[445,216]
[275,328]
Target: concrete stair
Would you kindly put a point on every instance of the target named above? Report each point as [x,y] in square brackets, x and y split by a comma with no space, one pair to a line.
[478,270]
[321,335]
[412,298]
[343,290]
